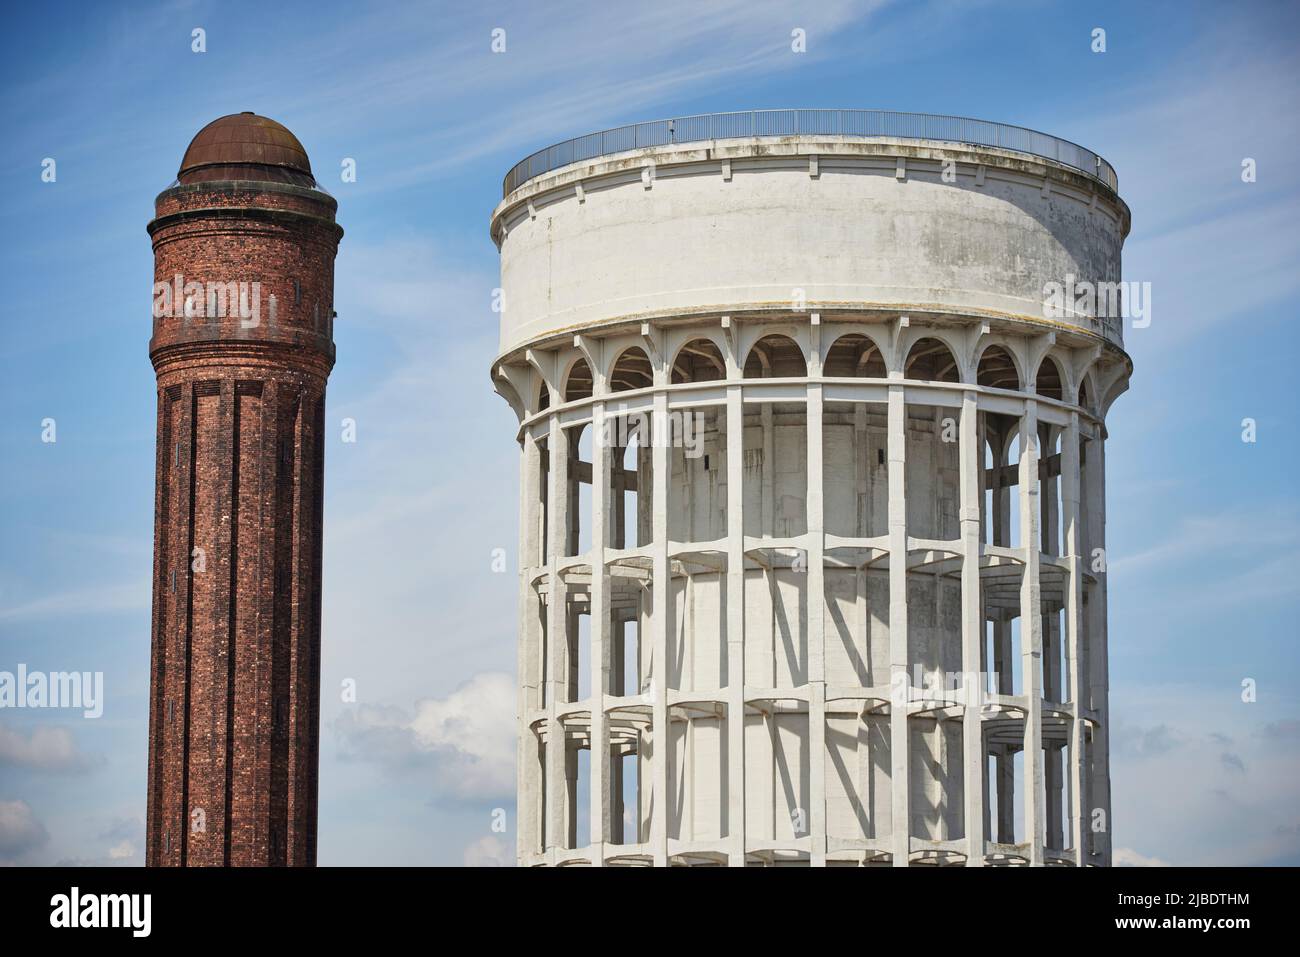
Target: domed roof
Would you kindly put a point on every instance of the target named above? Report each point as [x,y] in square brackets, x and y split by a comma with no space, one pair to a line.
[245,146]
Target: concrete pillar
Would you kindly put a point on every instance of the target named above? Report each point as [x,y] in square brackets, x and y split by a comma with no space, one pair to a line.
[600,651]
[735,616]
[1072,547]
[556,643]
[528,658]
[1098,671]
[660,618]
[972,631]
[899,739]
[1031,635]
[816,541]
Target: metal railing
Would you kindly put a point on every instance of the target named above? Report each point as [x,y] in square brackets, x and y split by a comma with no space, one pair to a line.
[858,123]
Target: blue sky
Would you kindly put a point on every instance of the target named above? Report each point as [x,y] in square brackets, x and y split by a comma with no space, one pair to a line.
[1204,529]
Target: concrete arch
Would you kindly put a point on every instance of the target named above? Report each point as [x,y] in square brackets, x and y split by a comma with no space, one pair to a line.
[995,372]
[699,359]
[1085,397]
[1089,380]
[506,389]
[631,369]
[831,360]
[749,334]
[578,380]
[782,356]
[931,358]
[1051,380]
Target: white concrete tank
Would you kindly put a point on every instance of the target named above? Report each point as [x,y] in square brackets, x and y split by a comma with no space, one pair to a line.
[805,438]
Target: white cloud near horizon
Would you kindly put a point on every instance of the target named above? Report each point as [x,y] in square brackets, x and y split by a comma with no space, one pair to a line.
[466,739]
[48,748]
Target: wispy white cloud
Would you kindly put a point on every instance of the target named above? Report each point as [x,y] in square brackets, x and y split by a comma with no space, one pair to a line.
[489,851]
[47,748]
[1127,857]
[89,600]
[467,739]
[1236,793]
[21,832]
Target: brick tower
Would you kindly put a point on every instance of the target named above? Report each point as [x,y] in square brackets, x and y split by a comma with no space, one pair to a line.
[244,244]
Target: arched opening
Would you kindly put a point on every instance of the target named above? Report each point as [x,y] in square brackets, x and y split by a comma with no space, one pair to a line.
[543,398]
[699,360]
[775,357]
[930,361]
[1085,399]
[997,370]
[1048,384]
[631,371]
[854,356]
[578,384]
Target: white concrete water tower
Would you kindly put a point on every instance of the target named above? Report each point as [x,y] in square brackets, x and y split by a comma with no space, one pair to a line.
[812,491]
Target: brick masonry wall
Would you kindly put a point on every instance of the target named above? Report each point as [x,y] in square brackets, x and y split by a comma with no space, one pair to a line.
[235,692]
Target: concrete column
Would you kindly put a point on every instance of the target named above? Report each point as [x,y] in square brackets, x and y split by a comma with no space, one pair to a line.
[816,543]
[1071,548]
[899,739]
[660,618]
[1031,635]
[600,652]
[1098,671]
[735,616]
[972,631]
[766,417]
[1005,769]
[528,660]
[556,637]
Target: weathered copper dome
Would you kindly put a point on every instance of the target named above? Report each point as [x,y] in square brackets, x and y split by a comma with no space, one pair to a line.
[245,146]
